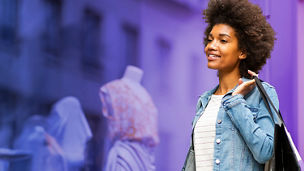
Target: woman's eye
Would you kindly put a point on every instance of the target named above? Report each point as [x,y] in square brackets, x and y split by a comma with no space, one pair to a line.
[224,41]
[209,40]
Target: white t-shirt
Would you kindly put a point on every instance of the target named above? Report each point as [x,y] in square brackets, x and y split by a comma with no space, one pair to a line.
[204,135]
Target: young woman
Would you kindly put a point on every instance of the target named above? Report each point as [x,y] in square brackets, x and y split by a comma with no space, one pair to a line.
[232,129]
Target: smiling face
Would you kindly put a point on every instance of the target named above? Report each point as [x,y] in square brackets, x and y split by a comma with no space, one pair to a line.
[222,49]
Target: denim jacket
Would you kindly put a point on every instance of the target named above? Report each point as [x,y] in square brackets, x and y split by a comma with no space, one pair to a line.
[244,129]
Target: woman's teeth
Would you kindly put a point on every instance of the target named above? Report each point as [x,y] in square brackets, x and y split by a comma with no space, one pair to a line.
[214,56]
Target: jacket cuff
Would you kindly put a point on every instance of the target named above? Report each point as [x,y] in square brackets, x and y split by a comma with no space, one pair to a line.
[230,101]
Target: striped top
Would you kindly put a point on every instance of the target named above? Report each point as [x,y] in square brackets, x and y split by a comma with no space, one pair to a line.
[204,134]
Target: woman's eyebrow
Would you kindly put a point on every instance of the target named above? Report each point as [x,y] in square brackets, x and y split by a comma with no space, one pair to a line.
[210,34]
[224,34]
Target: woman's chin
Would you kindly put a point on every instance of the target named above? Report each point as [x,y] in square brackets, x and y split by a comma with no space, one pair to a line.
[212,67]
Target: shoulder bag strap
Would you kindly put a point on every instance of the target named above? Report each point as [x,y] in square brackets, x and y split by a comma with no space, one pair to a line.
[268,101]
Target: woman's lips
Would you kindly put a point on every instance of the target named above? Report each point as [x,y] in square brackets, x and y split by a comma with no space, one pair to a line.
[213,57]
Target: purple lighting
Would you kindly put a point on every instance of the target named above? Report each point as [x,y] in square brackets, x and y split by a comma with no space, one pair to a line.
[53,49]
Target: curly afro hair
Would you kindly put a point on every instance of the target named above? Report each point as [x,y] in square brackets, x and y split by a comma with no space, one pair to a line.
[255,35]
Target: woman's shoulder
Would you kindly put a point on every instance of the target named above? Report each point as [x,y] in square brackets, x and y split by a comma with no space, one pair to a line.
[270,89]
[255,94]
[267,85]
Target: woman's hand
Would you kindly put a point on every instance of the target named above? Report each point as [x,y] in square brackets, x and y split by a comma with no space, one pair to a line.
[245,87]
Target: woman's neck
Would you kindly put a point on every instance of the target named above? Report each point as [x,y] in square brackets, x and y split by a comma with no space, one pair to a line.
[227,81]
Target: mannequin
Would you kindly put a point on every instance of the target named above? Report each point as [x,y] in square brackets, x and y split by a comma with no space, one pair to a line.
[132,122]
[68,125]
[133,73]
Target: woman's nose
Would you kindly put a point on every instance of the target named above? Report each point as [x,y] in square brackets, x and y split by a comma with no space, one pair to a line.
[212,45]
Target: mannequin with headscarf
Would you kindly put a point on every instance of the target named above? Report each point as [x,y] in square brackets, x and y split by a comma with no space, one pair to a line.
[132,123]
[69,127]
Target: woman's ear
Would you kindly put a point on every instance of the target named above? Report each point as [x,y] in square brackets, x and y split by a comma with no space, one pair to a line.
[243,55]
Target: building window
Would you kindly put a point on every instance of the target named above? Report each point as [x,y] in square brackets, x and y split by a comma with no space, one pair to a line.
[131,44]
[129,47]
[51,41]
[8,23]
[163,64]
[90,59]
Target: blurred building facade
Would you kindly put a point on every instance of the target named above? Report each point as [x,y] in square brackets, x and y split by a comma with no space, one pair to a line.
[55,48]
